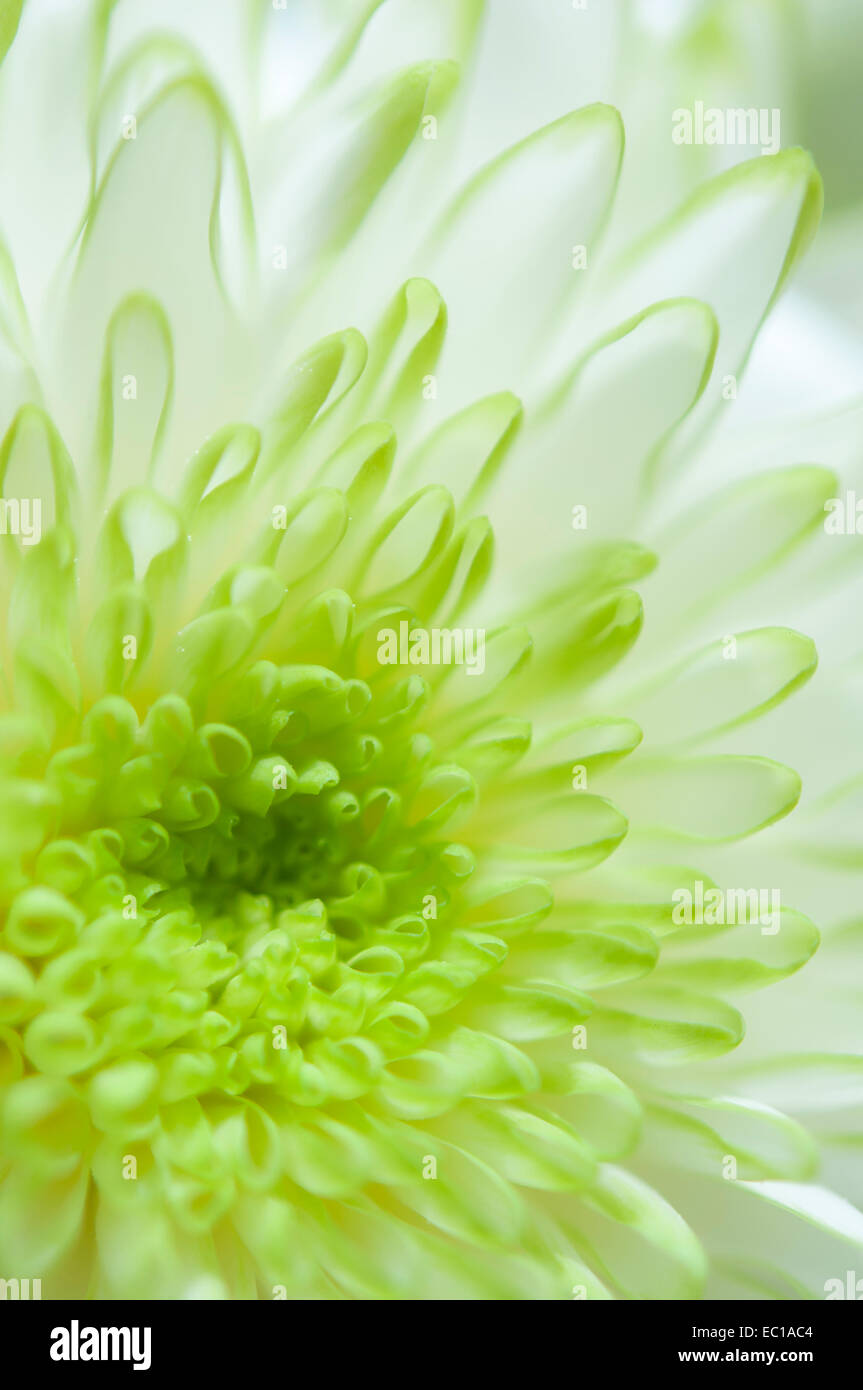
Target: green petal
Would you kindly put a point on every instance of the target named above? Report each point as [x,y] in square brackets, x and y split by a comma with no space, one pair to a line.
[711,692]
[718,798]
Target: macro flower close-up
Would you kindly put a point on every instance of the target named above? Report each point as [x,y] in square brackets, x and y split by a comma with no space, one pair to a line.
[429,764]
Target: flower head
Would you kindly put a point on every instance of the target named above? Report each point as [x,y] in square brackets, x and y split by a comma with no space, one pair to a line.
[340,856]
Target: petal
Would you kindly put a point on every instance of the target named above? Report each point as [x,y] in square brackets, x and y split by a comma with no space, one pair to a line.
[719,798]
[733,245]
[723,685]
[550,191]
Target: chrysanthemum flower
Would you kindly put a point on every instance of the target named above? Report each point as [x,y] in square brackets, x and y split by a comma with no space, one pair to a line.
[322,976]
